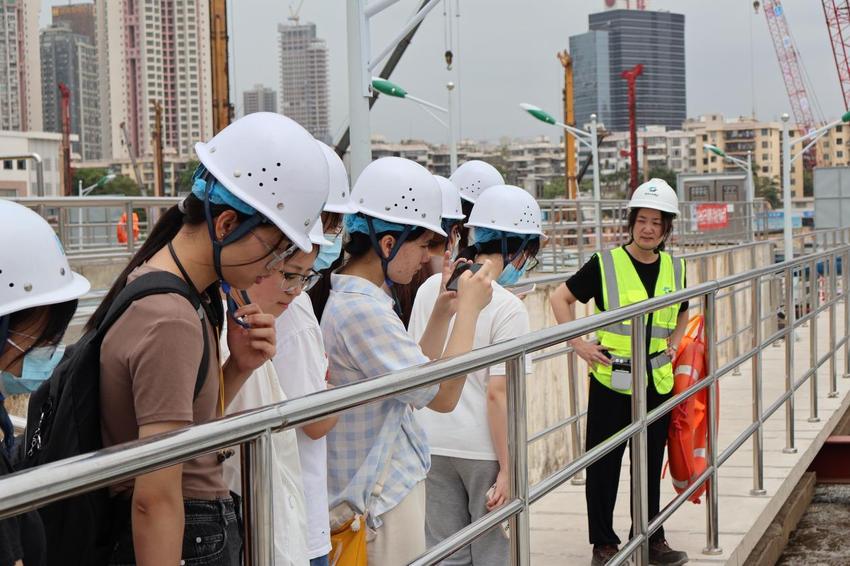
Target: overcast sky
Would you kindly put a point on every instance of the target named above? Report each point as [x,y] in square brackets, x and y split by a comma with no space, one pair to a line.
[506,55]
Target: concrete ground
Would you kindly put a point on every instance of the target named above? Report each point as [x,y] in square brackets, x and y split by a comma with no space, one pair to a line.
[558,521]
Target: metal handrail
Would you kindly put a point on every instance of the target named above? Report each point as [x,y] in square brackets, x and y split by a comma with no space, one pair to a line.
[42,485]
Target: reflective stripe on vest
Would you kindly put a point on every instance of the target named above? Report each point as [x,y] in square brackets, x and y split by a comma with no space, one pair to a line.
[622,286]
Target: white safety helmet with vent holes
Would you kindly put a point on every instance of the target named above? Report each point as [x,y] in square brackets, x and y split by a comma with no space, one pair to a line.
[399,190]
[657,194]
[474,177]
[274,165]
[507,208]
[34,270]
[339,197]
[452,208]
[317,235]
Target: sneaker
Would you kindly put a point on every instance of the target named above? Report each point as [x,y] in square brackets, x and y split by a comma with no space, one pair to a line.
[602,553]
[661,553]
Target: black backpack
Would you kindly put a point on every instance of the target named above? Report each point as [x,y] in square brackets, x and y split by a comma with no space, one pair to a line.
[63,420]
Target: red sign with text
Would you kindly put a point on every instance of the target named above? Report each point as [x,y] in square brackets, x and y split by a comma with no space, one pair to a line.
[712,216]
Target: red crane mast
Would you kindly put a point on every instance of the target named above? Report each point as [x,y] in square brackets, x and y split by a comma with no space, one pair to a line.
[837,13]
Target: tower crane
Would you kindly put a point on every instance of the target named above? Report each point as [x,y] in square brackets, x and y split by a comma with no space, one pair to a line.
[837,13]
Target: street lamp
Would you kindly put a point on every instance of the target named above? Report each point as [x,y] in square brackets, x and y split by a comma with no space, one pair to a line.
[99,183]
[812,138]
[746,166]
[590,140]
[391,89]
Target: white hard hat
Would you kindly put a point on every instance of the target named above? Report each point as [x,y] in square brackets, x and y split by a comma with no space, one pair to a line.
[34,271]
[452,209]
[339,196]
[657,194]
[317,234]
[274,165]
[473,177]
[507,208]
[399,190]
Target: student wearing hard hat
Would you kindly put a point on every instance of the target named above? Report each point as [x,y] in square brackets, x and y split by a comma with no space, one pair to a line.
[259,190]
[377,455]
[472,178]
[38,298]
[628,274]
[469,473]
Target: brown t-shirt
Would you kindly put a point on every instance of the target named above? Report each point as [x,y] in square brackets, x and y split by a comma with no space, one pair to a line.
[148,367]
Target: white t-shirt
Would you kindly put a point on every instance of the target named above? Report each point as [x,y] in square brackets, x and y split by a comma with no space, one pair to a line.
[302,366]
[290,533]
[465,432]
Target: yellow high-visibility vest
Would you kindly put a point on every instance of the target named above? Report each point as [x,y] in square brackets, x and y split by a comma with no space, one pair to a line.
[621,286]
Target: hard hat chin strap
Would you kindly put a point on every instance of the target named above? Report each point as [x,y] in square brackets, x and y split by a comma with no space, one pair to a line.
[385,260]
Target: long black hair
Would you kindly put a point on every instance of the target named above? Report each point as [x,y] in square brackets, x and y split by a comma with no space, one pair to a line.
[666,225]
[514,244]
[189,213]
[57,318]
[356,245]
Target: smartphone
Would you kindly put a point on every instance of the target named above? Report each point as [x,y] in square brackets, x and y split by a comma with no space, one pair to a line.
[453,280]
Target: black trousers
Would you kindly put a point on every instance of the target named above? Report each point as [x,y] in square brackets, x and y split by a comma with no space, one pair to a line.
[608,412]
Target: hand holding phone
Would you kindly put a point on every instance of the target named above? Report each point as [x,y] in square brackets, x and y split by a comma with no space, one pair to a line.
[453,281]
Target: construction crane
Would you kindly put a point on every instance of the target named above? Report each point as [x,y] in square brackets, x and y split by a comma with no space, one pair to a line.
[67,178]
[569,119]
[837,13]
[630,76]
[158,173]
[294,14]
[222,109]
[132,154]
[792,71]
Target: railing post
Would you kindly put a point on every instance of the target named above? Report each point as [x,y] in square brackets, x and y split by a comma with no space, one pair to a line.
[733,303]
[845,272]
[833,298]
[518,458]
[790,318]
[639,466]
[758,400]
[131,241]
[575,411]
[261,518]
[814,305]
[712,507]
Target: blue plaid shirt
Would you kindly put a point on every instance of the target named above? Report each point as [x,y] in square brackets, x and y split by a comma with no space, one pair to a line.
[364,338]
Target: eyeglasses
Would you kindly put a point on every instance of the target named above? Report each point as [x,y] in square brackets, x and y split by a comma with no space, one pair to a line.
[296,281]
[278,258]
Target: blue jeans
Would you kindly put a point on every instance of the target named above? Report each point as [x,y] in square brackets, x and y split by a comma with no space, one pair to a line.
[211,536]
[320,561]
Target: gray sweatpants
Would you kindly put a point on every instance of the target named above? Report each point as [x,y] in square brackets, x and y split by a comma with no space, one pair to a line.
[456,495]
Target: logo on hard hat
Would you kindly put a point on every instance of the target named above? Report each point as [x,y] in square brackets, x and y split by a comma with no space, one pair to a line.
[652,189]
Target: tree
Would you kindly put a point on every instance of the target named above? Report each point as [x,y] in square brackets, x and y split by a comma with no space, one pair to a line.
[120,185]
[768,189]
[184,176]
[554,189]
[663,173]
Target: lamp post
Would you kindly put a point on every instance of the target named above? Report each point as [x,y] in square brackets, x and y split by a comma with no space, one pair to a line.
[751,190]
[590,140]
[392,89]
[809,139]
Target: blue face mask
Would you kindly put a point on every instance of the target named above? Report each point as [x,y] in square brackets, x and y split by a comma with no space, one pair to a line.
[38,366]
[510,275]
[328,254]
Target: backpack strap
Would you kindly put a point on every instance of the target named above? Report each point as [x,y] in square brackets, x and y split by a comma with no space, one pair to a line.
[159,283]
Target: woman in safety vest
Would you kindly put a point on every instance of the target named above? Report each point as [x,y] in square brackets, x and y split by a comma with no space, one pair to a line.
[38,298]
[469,474]
[616,278]
[377,455]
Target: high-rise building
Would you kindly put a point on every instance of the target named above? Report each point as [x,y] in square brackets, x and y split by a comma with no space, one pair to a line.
[70,59]
[591,77]
[654,39]
[304,78]
[79,18]
[20,68]
[154,51]
[259,99]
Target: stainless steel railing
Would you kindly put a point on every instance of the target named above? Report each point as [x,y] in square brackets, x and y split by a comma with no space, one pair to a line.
[253,429]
